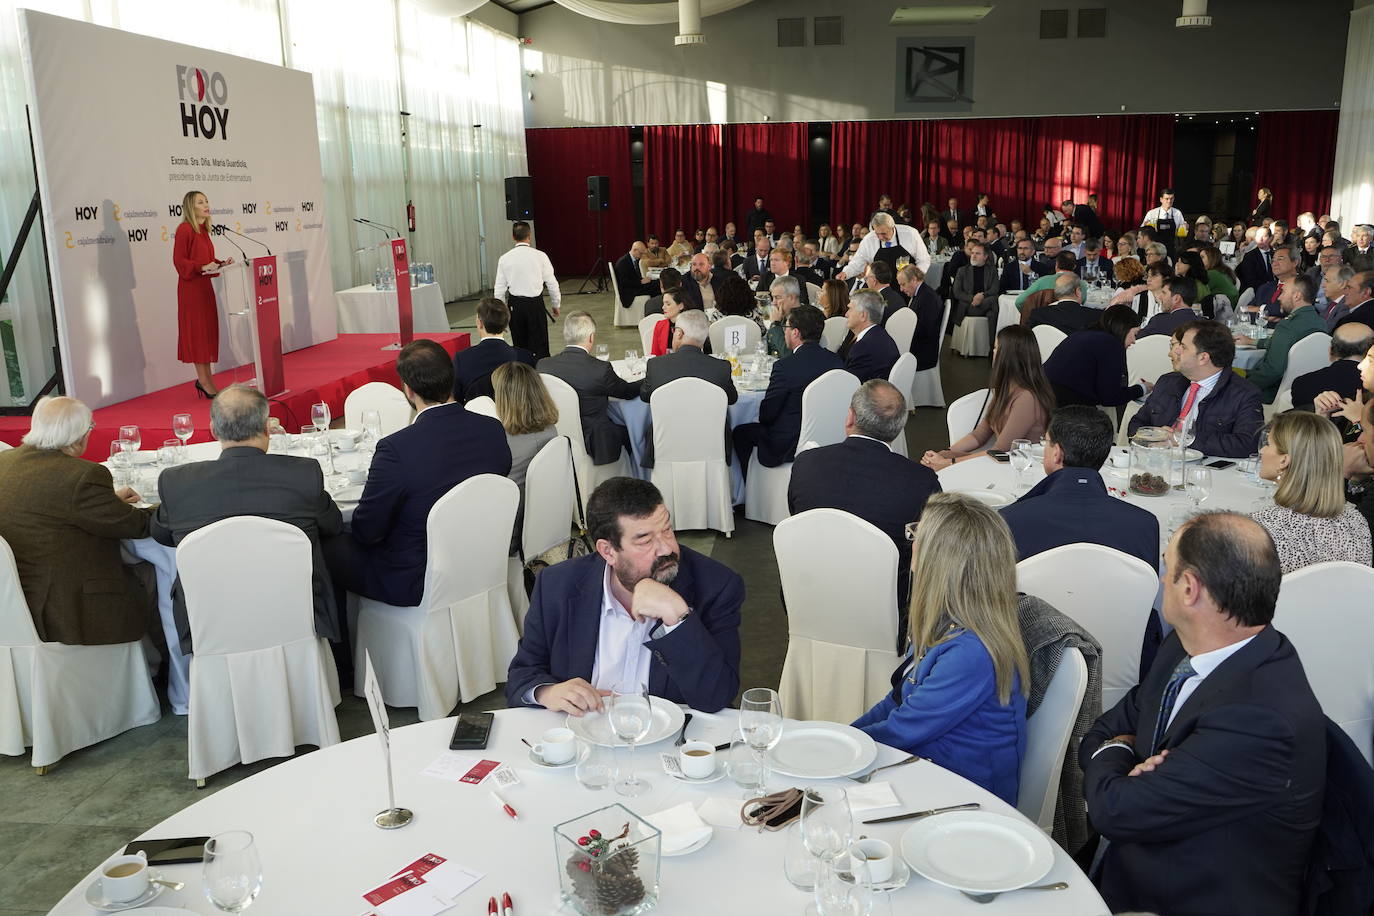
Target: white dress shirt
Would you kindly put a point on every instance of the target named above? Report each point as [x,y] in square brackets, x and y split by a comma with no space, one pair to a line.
[525,271]
[1152,217]
[906,236]
[1205,387]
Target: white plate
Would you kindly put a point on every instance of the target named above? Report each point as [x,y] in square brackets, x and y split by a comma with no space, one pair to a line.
[717,774]
[1192,454]
[349,494]
[989,497]
[545,765]
[95,897]
[821,750]
[595,727]
[978,851]
[901,874]
[688,850]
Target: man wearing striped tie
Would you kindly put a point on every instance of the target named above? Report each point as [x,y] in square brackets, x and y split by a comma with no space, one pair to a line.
[1207,779]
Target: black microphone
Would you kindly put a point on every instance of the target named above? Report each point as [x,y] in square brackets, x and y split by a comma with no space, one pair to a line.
[374,224]
[224,228]
[371,225]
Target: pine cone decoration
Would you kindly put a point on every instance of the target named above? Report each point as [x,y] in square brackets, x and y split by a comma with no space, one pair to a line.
[606,880]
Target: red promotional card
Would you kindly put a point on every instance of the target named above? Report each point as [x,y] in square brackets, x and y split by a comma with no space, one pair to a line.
[479,772]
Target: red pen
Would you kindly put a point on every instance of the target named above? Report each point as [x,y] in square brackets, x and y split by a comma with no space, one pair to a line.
[491,906]
[504,806]
[507,908]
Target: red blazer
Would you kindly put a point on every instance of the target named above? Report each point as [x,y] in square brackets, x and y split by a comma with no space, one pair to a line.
[662,340]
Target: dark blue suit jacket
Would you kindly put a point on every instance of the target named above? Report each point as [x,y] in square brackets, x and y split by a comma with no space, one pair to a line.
[873,355]
[780,413]
[930,311]
[696,664]
[1011,279]
[1229,419]
[1166,322]
[412,468]
[472,368]
[1226,823]
[1071,506]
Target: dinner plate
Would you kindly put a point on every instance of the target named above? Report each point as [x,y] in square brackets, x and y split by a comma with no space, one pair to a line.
[821,750]
[595,727]
[977,851]
[1192,454]
[989,497]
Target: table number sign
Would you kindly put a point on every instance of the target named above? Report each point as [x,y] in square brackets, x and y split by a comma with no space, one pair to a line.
[393,816]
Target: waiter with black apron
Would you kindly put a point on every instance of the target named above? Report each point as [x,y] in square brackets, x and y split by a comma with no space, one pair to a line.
[1167,220]
[522,274]
[890,243]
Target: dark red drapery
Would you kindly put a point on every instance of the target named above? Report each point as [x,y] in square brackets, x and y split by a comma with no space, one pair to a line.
[1296,158]
[560,159]
[769,161]
[684,178]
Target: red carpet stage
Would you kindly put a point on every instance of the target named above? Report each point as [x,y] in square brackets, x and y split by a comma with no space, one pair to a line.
[325,372]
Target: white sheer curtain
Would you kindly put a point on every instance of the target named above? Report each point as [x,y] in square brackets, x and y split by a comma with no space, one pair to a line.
[1352,191]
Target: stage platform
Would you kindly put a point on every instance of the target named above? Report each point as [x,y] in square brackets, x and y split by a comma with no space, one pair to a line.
[325,372]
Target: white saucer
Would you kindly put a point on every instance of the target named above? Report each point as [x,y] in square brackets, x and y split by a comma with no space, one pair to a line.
[717,775]
[688,850]
[545,765]
[901,874]
[95,895]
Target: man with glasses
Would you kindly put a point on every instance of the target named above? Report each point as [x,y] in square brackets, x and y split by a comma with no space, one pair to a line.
[1025,269]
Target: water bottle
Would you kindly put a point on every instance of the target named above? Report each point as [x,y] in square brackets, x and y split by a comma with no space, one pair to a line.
[377,278]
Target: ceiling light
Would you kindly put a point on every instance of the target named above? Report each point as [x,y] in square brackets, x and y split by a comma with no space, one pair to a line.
[960,14]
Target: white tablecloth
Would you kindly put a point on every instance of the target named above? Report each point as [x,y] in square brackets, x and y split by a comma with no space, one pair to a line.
[312,820]
[364,310]
[1007,312]
[1249,358]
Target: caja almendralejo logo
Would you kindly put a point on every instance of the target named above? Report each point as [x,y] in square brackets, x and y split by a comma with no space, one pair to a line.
[204,103]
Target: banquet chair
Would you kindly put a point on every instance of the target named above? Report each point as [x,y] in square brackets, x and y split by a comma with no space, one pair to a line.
[1048,337]
[570,424]
[689,454]
[1283,402]
[813,293]
[901,327]
[456,644]
[1007,313]
[1325,611]
[838,664]
[1123,435]
[927,391]
[825,402]
[1148,358]
[647,325]
[1047,739]
[716,332]
[1246,298]
[548,491]
[903,377]
[262,682]
[483,405]
[963,415]
[1307,355]
[5,446]
[1117,623]
[836,329]
[387,400]
[625,316]
[57,698]
[971,337]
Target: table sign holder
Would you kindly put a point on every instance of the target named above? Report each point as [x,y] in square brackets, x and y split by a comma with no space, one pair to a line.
[405,315]
[393,816]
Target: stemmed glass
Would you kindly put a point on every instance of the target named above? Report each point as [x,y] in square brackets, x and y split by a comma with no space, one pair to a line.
[319,416]
[1021,459]
[844,886]
[233,873]
[130,435]
[631,715]
[183,427]
[1185,431]
[372,429]
[760,724]
[1199,485]
[826,822]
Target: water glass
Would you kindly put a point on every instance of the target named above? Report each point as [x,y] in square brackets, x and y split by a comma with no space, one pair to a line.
[745,769]
[799,865]
[596,766]
[372,428]
[319,415]
[232,873]
[1199,484]
[827,823]
[843,886]
[1021,460]
[118,457]
[169,454]
[631,715]
[603,352]
[183,427]
[630,357]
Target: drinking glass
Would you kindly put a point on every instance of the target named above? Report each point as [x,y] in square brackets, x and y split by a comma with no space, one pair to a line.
[276,438]
[319,415]
[118,458]
[631,356]
[372,428]
[168,455]
[232,874]
[1185,431]
[631,715]
[745,769]
[183,427]
[131,435]
[1021,459]
[844,886]
[596,767]
[1199,484]
[603,351]
[827,824]
[760,722]
[321,452]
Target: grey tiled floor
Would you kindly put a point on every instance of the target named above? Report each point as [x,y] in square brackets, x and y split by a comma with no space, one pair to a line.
[56,828]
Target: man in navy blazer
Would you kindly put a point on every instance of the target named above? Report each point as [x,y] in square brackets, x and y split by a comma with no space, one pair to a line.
[641,612]
[930,313]
[472,368]
[1179,295]
[871,353]
[1021,271]
[627,277]
[1208,777]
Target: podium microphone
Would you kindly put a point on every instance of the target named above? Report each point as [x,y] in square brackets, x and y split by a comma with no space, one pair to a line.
[223,228]
[376,225]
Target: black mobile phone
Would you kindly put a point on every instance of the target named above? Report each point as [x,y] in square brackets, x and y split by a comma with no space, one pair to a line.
[177,851]
[471,731]
[996,455]
[1220,464]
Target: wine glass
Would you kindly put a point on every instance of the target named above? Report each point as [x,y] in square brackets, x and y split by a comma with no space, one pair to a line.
[372,428]
[232,874]
[183,427]
[1185,431]
[827,824]
[631,715]
[603,352]
[1199,485]
[319,416]
[844,886]
[1021,459]
[131,435]
[167,455]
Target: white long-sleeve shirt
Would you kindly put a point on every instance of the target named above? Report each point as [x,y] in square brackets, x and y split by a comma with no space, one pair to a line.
[525,271]
[906,236]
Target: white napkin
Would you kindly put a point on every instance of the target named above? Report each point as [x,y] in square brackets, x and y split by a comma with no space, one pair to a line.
[721,812]
[871,796]
[681,827]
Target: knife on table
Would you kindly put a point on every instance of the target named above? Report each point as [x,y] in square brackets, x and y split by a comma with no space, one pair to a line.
[915,814]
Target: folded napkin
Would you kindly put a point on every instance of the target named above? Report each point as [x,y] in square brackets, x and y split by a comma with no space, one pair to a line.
[681,827]
[871,796]
[722,812]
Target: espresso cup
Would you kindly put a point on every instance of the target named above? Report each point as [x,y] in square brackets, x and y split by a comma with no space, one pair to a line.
[347,441]
[357,476]
[879,856]
[557,745]
[697,759]
[1121,458]
[124,878]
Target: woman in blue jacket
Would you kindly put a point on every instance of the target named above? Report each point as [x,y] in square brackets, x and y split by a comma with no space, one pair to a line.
[959,698]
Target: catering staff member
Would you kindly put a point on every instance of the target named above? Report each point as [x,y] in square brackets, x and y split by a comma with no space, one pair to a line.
[888,242]
[1167,220]
[193,256]
[521,276]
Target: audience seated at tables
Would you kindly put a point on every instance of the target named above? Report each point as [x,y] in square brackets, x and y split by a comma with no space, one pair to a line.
[878,278]
[1300,319]
[1189,264]
[1349,344]
[641,612]
[1361,293]
[757,263]
[976,286]
[779,266]
[63,519]
[629,275]
[1067,312]
[662,339]
[1126,249]
[1088,367]
[681,249]
[1064,263]
[245,480]
[1048,258]
[959,697]
[529,417]
[687,359]
[1220,278]
[780,412]
[1023,270]
[1255,268]
[595,381]
[701,286]
[472,368]
[869,351]
[1176,298]
[934,239]
[930,312]
[669,281]
[1284,265]
[1207,778]
[834,298]
[1017,406]
[1334,286]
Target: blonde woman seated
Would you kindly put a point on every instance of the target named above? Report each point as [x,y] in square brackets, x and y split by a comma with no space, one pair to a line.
[1310,520]
[528,414]
[1019,403]
[959,697]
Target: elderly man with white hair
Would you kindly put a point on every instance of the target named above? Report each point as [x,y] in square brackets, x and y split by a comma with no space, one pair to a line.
[888,242]
[869,352]
[63,519]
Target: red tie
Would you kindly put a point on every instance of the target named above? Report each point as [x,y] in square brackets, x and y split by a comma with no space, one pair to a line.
[1278,292]
[1188,401]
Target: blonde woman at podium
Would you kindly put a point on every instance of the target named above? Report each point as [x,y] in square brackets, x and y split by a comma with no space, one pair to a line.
[193,255]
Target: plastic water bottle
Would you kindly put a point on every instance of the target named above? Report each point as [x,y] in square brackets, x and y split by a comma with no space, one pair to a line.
[377,278]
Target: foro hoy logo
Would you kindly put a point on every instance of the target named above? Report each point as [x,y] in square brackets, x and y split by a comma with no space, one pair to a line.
[204,100]
[266,272]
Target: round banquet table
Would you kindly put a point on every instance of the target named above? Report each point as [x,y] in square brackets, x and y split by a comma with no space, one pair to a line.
[312,820]
[1248,357]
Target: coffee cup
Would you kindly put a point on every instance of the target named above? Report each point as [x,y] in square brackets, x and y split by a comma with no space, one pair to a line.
[557,745]
[357,476]
[124,878]
[879,856]
[347,441]
[1120,458]
[697,759]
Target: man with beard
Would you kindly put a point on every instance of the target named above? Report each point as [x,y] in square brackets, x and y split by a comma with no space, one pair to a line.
[639,613]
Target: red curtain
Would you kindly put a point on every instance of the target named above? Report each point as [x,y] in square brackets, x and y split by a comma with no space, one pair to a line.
[560,159]
[1296,158]
[684,178]
[768,161]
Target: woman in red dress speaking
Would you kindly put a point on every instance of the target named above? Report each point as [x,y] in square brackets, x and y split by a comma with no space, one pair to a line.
[193,254]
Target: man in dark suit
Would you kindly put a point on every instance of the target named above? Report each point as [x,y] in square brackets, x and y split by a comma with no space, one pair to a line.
[627,276]
[879,277]
[1359,254]
[245,480]
[1023,270]
[688,359]
[1255,270]
[757,218]
[1283,265]
[641,612]
[1093,266]
[472,368]
[925,302]
[594,381]
[701,284]
[1349,344]
[780,413]
[756,264]
[871,352]
[1179,296]
[1046,260]
[1360,292]
[864,477]
[780,265]
[1085,216]
[955,215]
[975,288]
[1067,312]
[808,265]
[1207,778]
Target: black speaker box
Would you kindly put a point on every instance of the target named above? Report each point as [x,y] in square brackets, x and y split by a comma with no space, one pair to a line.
[519,198]
[598,193]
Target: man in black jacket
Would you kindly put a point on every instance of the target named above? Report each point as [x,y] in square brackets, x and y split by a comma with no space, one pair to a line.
[627,278]
[757,218]
[1349,344]
[595,382]
[472,368]
[869,352]
[878,276]
[930,311]
[701,283]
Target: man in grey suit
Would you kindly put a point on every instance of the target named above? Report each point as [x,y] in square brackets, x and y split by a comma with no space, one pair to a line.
[245,480]
[976,286]
[594,381]
[687,360]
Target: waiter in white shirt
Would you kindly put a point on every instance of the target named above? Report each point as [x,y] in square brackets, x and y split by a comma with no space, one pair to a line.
[1167,220]
[888,242]
[522,274]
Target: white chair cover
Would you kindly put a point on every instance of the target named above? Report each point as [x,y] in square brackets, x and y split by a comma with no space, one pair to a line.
[1048,337]
[689,454]
[5,446]
[903,376]
[647,325]
[1047,739]
[1007,312]
[457,643]
[1117,622]
[839,581]
[1148,358]
[813,293]
[971,337]
[570,425]
[1245,299]
[483,405]
[58,698]
[717,333]
[901,327]
[1123,436]
[387,400]
[1221,308]
[1326,611]
[927,390]
[548,490]
[962,416]
[262,682]
[624,317]
[1284,401]
[1307,355]
[834,334]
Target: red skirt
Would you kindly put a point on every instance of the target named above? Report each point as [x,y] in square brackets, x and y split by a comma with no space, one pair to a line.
[197,321]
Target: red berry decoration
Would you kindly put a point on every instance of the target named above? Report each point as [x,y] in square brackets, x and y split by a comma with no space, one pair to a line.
[594,833]
[583,841]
